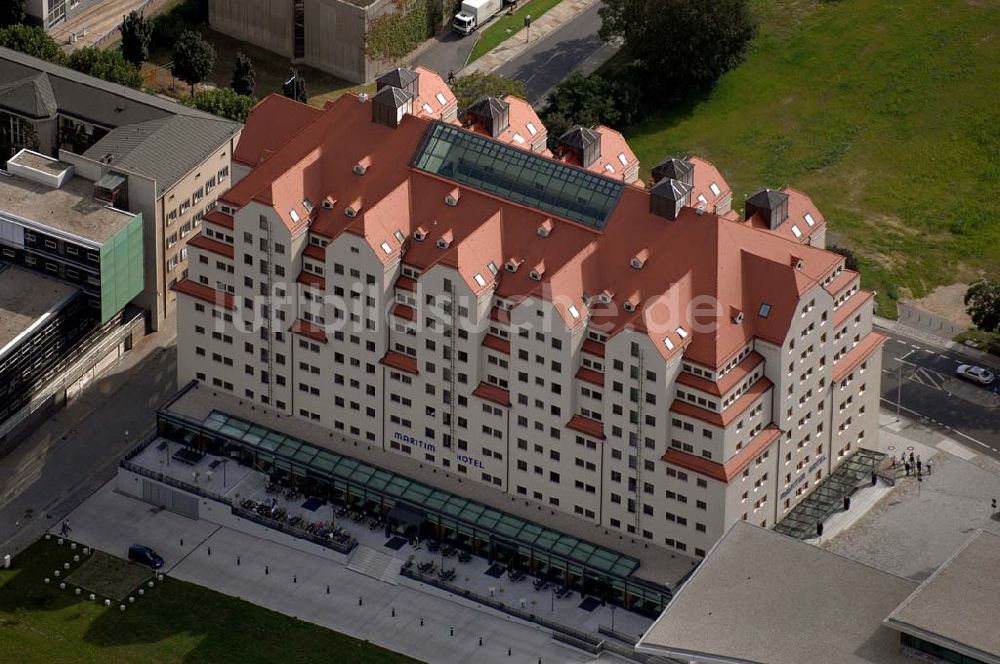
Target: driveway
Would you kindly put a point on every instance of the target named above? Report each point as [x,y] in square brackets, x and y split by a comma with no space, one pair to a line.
[448,52]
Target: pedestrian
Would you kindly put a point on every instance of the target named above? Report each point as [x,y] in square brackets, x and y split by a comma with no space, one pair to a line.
[451,75]
[894,462]
[65,529]
[907,465]
[928,466]
[911,458]
[920,465]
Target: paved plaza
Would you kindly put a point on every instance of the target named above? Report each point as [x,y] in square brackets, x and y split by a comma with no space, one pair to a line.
[278,574]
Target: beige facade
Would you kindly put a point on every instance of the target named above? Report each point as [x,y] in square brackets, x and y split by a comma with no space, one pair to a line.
[331,36]
[316,316]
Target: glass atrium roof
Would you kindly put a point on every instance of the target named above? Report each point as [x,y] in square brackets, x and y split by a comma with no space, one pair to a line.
[518,175]
[511,528]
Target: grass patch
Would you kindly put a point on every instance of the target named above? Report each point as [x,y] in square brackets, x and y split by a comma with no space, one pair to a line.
[884,112]
[509,25]
[109,576]
[988,342]
[175,622]
[272,70]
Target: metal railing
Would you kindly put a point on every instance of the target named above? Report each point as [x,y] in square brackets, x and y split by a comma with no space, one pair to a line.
[274,524]
[172,482]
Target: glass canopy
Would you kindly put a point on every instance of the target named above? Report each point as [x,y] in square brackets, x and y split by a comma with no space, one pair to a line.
[518,175]
[511,528]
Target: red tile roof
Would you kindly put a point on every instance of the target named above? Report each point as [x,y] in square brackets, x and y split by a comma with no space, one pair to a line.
[729,414]
[314,252]
[219,219]
[308,329]
[587,426]
[492,393]
[593,347]
[407,284]
[494,342]
[742,267]
[865,348]
[846,278]
[850,306]
[404,312]
[590,376]
[724,472]
[400,361]
[310,279]
[271,123]
[208,244]
[205,293]
[727,382]
[429,86]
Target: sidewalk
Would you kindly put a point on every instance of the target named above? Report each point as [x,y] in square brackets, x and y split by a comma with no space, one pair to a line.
[551,21]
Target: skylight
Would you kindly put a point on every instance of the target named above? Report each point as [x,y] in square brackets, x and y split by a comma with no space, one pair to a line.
[715,189]
[479,279]
[809,219]
[682,333]
[386,248]
[427,108]
[307,204]
[765,310]
[518,175]
[532,129]
[573,311]
[795,231]
[623,159]
[518,139]
[294,215]
[492,267]
[398,234]
[441,99]
[668,343]
[701,197]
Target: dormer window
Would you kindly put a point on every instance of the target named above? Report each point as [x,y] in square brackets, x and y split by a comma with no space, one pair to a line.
[444,241]
[353,209]
[639,259]
[538,271]
[451,200]
[605,297]
[737,316]
[545,228]
[328,203]
[362,166]
[512,264]
[420,234]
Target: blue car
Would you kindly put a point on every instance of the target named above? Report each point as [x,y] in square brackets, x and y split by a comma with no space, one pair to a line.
[143,555]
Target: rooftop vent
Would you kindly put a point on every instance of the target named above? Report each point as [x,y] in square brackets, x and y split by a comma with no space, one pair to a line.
[584,144]
[672,168]
[796,262]
[736,315]
[389,106]
[492,112]
[667,197]
[362,166]
[770,204]
[545,228]
[452,198]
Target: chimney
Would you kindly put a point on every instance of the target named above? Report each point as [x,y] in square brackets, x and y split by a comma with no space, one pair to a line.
[492,112]
[404,79]
[583,143]
[672,168]
[389,106]
[770,204]
[667,197]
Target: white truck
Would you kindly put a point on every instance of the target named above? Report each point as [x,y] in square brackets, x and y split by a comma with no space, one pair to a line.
[474,14]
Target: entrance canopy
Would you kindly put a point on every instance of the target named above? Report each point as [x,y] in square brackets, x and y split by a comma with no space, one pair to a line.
[417,498]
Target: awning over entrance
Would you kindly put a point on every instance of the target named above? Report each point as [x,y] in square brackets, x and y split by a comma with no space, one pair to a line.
[407,515]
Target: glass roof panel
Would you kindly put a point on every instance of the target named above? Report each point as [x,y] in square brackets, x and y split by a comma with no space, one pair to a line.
[288,448]
[563,546]
[397,486]
[215,420]
[454,506]
[305,454]
[324,461]
[416,492]
[529,533]
[518,175]
[254,435]
[436,500]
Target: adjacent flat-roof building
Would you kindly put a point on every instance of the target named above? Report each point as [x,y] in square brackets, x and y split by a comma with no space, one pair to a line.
[58,224]
[632,357]
[763,597]
[150,155]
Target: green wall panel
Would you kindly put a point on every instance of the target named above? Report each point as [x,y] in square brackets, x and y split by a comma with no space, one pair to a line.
[121,268]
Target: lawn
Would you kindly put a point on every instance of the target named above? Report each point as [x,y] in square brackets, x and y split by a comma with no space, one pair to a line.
[885,112]
[174,622]
[508,25]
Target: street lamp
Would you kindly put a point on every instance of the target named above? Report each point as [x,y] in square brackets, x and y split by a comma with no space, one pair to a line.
[613,607]
[899,389]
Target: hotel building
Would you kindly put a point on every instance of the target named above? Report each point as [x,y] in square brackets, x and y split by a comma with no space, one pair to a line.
[541,325]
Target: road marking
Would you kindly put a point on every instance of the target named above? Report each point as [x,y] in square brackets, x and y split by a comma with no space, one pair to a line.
[945,426]
[908,353]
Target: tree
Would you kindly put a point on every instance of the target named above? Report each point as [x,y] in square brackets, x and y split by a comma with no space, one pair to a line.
[850,259]
[32,40]
[136,35]
[295,87]
[682,45]
[194,59]
[591,100]
[223,102]
[244,76]
[11,12]
[107,65]
[473,87]
[982,302]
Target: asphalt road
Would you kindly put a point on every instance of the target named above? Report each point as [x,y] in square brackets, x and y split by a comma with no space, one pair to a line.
[921,379]
[449,52]
[574,46]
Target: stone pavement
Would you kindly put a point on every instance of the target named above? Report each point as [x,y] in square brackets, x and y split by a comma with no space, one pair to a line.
[296,583]
[77,449]
[549,22]
[914,527]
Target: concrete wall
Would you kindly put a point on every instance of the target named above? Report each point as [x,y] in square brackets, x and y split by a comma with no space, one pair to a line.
[264,23]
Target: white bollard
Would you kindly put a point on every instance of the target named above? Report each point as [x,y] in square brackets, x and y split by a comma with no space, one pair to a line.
[121,607]
[76,558]
[141,592]
[46,579]
[72,546]
[59,541]
[77,591]
[56,572]
[62,586]
[92,597]
[65,565]
[107,602]
[131,600]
